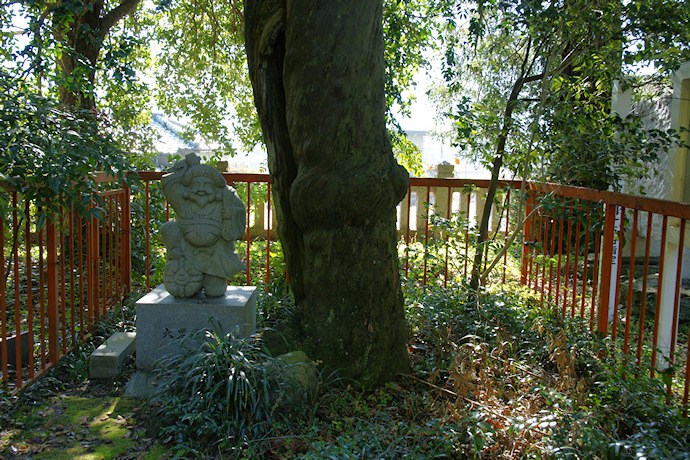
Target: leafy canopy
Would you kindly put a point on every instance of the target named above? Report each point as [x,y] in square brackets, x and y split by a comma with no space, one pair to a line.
[48,154]
[550,67]
[188,57]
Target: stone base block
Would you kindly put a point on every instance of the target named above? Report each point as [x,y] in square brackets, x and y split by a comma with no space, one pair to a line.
[142,384]
[106,360]
[162,320]
[12,349]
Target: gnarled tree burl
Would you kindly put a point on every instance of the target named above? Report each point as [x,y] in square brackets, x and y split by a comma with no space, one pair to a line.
[317,71]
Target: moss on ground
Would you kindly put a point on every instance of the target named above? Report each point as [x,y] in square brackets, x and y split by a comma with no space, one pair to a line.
[69,427]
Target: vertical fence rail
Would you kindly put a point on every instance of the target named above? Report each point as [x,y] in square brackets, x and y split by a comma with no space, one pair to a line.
[248,233]
[126,243]
[269,221]
[15,270]
[406,227]
[676,307]
[655,334]
[53,288]
[609,229]
[619,272]
[29,290]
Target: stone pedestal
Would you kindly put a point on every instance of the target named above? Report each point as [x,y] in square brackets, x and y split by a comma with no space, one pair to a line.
[162,318]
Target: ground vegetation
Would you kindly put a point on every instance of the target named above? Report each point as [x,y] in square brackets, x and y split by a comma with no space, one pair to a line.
[507,380]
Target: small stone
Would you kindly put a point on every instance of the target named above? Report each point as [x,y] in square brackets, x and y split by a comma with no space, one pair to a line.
[299,368]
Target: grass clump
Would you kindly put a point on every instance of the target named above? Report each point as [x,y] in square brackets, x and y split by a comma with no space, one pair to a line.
[222,393]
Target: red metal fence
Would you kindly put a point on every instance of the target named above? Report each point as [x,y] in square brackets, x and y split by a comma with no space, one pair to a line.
[588,254]
[57,279]
[437,222]
[615,262]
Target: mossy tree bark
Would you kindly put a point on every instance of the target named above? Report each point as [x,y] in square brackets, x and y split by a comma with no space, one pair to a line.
[317,71]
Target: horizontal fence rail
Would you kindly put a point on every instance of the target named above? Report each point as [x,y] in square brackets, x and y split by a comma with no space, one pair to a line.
[607,259]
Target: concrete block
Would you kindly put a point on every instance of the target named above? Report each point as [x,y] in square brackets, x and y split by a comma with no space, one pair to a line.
[163,319]
[11,346]
[106,360]
[141,385]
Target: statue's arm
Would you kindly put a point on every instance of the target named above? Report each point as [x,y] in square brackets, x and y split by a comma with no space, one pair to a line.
[172,187]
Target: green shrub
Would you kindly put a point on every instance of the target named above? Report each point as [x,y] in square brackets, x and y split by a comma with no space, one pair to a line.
[223,391]
[629,415]
[49,153]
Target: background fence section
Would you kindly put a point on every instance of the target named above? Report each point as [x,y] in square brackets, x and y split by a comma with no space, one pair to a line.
[436,226]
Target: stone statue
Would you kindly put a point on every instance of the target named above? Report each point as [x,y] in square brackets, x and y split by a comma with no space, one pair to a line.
[201,241]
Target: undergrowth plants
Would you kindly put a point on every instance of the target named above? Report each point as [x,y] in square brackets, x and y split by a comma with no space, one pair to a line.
[494,376]
[521,381]
[223,392]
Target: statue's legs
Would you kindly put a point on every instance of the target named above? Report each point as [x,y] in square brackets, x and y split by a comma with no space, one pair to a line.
[180,277]
[215,286]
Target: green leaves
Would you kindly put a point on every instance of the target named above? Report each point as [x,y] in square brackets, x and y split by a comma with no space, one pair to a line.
[223,391]
[47,154]
[408,27]
[201,72]
[407,153]
[562,58]
[659,32]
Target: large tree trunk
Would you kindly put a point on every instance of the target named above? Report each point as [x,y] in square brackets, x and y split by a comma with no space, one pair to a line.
[317,71]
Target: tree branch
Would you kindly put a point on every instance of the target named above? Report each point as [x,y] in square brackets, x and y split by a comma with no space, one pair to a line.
[532,78]
[115,15]
[511,103]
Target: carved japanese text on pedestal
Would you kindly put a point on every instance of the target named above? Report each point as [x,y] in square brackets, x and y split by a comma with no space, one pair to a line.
[201,240]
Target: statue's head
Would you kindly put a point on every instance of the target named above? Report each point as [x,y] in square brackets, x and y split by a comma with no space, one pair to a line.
[204,185]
